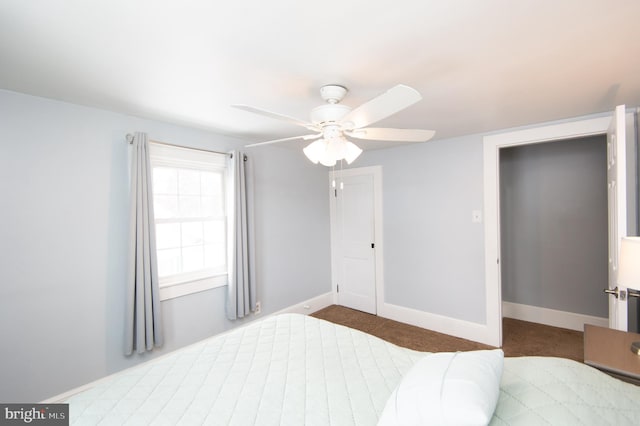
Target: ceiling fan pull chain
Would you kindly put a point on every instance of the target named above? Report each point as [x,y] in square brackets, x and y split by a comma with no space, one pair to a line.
[333,181]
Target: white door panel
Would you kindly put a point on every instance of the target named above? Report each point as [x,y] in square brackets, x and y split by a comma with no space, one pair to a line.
[355,200]
[357,286]
[353,240]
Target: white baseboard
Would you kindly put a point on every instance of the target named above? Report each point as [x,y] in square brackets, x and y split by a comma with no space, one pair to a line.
[551,317]
[310,305]
[451,326]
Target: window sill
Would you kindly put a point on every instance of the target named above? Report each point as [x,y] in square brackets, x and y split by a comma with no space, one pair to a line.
[189,287]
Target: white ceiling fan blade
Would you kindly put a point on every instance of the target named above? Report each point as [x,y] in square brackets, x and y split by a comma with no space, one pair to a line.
[393,135]
[275,115]
[393,100]
[292,138]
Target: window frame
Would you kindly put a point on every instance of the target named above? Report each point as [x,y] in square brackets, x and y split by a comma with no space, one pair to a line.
[177,157]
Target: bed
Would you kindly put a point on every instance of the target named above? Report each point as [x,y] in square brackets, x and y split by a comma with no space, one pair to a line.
[293,369]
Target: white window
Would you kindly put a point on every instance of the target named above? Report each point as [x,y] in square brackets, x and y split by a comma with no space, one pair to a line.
[189,193]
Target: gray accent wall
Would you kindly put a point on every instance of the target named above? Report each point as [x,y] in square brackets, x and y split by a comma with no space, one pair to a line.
[553,222]
[63,243]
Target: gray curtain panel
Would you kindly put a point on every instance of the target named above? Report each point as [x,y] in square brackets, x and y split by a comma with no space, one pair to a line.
[143,319]
[241,295]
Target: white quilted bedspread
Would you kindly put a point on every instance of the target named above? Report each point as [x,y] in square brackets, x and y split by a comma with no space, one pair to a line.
[285,370]
[297,370]
[557,391]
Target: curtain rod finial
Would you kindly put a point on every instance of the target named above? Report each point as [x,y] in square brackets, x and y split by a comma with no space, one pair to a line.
[129,138]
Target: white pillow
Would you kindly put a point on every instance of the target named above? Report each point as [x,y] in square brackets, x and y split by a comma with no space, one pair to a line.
[446,388]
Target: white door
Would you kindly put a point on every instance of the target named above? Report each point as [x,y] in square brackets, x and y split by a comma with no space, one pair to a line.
[353,239]
[617,196]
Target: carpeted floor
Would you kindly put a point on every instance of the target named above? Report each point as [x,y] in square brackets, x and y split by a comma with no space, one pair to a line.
[520,338]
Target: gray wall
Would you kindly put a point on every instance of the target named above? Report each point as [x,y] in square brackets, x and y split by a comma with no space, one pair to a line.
[63,242]
[553,214]
[434,254]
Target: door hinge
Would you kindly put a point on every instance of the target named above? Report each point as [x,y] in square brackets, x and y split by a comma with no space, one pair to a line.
[335,193]
[337,288]
[373,245]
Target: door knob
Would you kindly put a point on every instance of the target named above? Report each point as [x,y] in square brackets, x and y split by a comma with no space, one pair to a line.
[617,293]
[613,292]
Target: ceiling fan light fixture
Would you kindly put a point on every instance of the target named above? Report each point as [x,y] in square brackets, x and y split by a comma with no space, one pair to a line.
[336,147]
[329,151]
[328,161]
[352,151]
[315,150]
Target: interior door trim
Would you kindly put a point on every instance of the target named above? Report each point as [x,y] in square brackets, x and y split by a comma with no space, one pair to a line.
[491,146]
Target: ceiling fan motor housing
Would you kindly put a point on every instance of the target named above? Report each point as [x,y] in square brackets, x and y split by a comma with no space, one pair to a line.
[329,113]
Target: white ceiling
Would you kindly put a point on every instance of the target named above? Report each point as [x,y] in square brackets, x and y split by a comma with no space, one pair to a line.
[479,65]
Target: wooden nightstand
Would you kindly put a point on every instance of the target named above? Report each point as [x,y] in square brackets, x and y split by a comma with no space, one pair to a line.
[610,351]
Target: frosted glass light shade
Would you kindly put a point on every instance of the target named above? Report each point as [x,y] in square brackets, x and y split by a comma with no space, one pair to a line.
[351,152]
[629,263]
[336,147]
[315,150]
[328,159]
[328,151]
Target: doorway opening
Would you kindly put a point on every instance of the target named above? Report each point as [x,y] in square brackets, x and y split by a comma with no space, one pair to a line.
[492,145]
[622,201]
[554,232]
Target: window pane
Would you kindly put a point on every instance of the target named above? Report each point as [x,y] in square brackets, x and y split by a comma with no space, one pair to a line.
[212,206]
[165,180]
[189,182]
[209,207]
[165,206]
[215,231]
[168,262]
[211,183]
[215,255]
[192,233]
[192,259]
[167,235]
[218,201]
[190,206]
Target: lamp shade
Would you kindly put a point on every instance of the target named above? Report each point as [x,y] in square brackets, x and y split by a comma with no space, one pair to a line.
[629,263]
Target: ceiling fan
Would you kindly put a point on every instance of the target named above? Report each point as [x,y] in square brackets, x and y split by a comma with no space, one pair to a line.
[333,122]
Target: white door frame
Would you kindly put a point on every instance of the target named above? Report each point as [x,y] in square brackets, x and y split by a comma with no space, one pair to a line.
[376,172]
[492,145]
[617,190]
